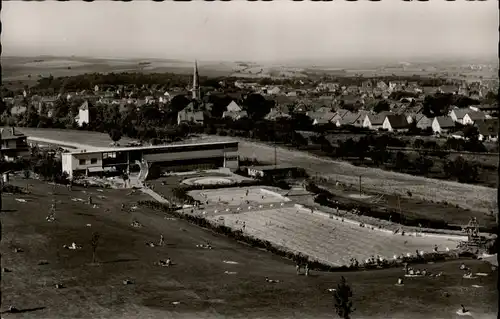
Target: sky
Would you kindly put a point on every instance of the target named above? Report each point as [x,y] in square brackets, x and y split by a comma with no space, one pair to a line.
[251,31]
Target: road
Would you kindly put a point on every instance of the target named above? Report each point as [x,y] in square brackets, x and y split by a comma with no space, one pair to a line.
[473,197]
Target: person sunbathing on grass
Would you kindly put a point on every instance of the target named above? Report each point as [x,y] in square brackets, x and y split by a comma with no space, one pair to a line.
[464,310]
[272,281]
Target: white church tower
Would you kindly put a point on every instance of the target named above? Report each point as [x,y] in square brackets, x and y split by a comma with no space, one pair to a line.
[196,84]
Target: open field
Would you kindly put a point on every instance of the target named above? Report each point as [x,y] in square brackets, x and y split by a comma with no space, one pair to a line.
[15,69]
[413,208]
[475,198]
[198,279]
[332,241]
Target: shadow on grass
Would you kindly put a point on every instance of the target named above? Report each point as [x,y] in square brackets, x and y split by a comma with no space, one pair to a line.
[9,210]
[85,214]
[123,260]
[23,310]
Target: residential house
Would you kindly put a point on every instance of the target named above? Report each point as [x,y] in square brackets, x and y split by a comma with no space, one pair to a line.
[352,89]
[395,123]
[324,109]
[382,86]
[84,114]
[339,114]
[423,122]
[275,114]
[354,119]
[150,99]
[190,114]
[488,129]
[457,115]
[18,110]
[165,98]
[392,86]
[486,108]
[235,115]
[367,85]
[458,135]
[351,101]
[448,89]
[14,144]
[321,117]
[377,93]
[429,90]
[463,90]
[273,91]
[239,84]
[442,124]
[233,107]
[375,121]
[327,87]
[472,116]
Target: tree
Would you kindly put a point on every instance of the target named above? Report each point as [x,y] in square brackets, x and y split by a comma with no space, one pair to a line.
[418,143]
[462,170]
[178,103]
[471,133]
[115,135]
[378,156]
[401,162]
[423,164]
[256,106]
[343,306]
[95,243]
[437,105]
[382,106]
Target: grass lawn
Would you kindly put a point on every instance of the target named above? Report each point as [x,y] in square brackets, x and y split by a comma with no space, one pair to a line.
[413,207]
[197,280]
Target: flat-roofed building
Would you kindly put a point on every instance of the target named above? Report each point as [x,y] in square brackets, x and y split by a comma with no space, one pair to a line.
[178,157]
[14,144]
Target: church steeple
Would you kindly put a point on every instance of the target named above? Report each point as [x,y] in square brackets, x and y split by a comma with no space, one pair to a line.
[196,85]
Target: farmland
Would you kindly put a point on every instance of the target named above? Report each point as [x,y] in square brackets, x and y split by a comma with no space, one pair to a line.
[197,280]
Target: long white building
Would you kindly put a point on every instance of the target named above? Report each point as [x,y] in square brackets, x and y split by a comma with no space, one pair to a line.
[169,157]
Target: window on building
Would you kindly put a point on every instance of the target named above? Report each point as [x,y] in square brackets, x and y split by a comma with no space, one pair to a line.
[93,161]
[81,162]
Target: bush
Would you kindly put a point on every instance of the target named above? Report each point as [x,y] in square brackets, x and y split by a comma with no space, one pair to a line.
[12,189]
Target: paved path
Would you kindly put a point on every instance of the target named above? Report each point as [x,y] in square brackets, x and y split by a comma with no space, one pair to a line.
[155,195]
[73,146]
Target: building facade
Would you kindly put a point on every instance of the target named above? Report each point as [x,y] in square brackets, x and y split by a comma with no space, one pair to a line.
[14,144]
[183,157]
